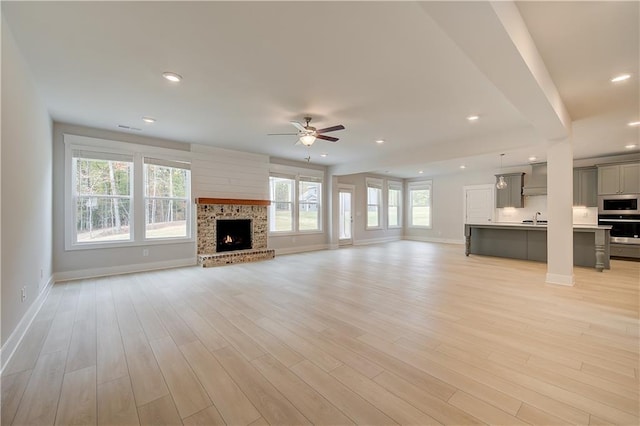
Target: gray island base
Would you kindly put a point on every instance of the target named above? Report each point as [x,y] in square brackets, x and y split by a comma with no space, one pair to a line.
[529,242]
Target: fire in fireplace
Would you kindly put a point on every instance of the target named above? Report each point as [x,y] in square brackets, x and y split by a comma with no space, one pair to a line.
[233,234]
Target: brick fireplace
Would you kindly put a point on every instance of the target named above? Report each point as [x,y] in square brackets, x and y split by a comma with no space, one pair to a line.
[232,231]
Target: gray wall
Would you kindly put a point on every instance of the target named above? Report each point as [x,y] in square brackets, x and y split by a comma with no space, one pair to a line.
[26,188]
[447,205]
[361,235]
[78,263]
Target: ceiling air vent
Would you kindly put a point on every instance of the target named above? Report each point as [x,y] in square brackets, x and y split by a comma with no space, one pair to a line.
[122,126]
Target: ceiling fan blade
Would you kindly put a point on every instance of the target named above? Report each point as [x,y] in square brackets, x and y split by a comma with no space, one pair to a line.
[331,129]
[327,138]
[281,134]
[297,143]
[298,126]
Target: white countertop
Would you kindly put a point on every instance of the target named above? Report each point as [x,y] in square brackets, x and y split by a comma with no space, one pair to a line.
[532,226]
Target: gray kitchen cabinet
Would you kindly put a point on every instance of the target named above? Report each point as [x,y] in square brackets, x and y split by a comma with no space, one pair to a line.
[585,187]
[511,196]
[619,179]
[630,178]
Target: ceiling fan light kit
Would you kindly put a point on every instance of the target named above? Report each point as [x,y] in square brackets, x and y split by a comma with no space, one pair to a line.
[307,140]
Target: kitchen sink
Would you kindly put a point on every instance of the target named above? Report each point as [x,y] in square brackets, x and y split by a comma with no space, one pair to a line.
[540,222]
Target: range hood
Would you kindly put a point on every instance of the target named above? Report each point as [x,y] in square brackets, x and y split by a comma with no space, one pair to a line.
[537,182]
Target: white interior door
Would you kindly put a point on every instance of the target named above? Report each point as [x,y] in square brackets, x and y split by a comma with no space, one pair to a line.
[479,203]
[346,216]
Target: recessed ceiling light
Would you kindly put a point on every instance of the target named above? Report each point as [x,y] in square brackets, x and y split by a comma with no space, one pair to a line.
[380,141]
[463,167]
[631,146]
[473,117]
[533,158]
[634,123]
[172,77]
[621,77]
[148,119]
[421,172]
[324,154]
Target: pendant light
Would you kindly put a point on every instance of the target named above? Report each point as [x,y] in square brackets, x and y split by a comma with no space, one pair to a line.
[501,184]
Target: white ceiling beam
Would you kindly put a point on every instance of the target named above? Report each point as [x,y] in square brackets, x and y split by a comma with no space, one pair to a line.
[495,38]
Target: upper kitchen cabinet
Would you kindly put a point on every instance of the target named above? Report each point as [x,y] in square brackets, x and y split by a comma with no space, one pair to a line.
[585,187]
[511,196]
[619,179]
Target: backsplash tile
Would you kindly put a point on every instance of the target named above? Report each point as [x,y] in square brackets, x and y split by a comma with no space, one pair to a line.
[538,203]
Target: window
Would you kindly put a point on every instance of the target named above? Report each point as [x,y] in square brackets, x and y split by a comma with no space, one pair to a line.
[420,204]
[102,189]
[281,217]
[166,203]
[374,203]
[117,196]
[296,200]
[310,191]
[394,204]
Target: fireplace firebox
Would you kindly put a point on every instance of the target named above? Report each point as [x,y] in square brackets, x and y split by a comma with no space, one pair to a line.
[233,234]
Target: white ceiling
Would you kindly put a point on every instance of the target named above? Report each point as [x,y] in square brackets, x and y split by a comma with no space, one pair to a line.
[385,70]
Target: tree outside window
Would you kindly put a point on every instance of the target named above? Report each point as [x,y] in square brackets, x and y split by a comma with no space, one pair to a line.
[166,198]
[102,196]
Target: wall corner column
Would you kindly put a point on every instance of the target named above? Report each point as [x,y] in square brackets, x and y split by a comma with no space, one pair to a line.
[334,212]
[560,213]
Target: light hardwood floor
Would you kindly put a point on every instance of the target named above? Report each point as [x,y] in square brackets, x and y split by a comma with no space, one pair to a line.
[405,332]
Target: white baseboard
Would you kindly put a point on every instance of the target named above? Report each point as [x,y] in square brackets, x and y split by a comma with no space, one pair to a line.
[123,269]
[375,241]
[8,349]
[301,249]
[559,279]
[433,239]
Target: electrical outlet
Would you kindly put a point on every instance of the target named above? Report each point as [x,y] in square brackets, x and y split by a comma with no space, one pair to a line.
[145,252]
[23,294]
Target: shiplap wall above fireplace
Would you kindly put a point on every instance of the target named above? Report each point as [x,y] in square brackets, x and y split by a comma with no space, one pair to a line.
[223,173]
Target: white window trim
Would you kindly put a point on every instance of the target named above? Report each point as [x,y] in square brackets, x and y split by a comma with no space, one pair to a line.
[296,174]
[425,184]
[377,184]
[395,185]
[190,210]
[138,152]
[292,202]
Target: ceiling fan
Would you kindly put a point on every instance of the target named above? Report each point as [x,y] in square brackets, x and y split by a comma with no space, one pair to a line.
[308,134]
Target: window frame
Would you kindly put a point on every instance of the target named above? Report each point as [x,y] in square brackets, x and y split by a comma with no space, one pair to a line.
[374,183]
[298,174]
[137,196]
[292,202]
[176,164]
[393,185]
[309,179]
[100,155]
[419,186]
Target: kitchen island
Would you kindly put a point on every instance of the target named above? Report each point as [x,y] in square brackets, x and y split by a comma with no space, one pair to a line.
[529,242]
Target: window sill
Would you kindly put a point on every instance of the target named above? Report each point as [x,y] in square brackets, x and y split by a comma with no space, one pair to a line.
[125,244]
[293,234]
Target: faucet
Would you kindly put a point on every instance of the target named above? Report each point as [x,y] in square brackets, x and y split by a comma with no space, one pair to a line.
[535,218]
